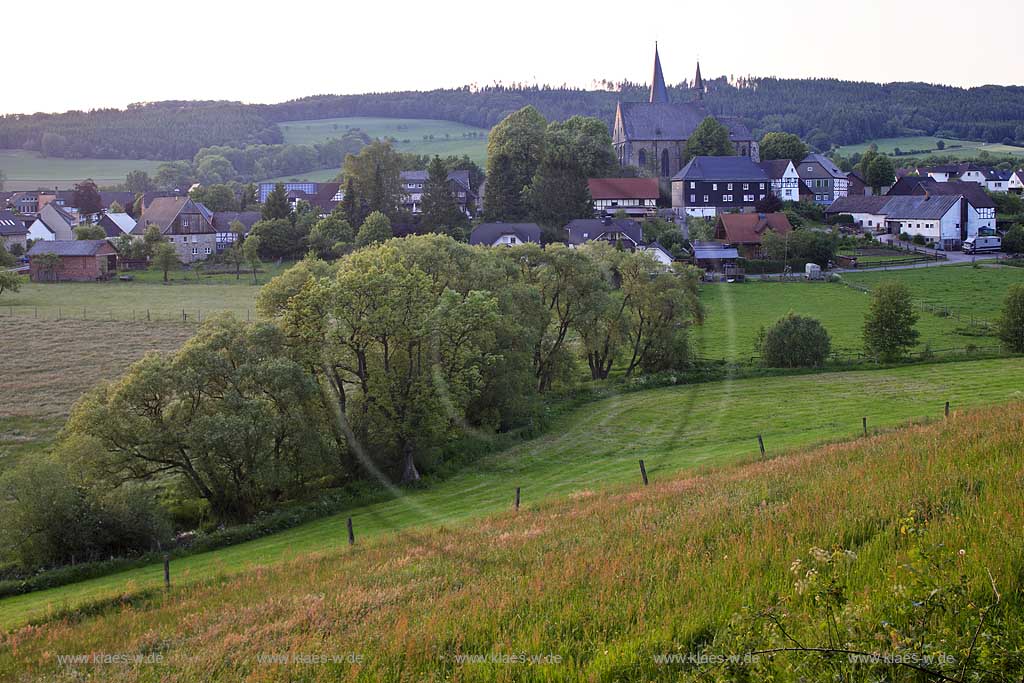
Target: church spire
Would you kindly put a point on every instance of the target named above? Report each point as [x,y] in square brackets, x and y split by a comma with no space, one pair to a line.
[698,83]
[659,93]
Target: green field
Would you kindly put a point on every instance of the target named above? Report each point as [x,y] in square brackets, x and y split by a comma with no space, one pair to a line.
[29,171]
[925,144]
[673,429]
[449,137]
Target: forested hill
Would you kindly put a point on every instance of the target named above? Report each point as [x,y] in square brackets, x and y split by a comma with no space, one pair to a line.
[822,111]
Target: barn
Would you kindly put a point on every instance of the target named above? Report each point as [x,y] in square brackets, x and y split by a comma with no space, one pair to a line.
[71,260]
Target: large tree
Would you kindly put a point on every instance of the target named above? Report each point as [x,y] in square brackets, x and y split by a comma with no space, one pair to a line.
[138,181]
[375,175]
[778,145]
[174,175]
[276,205]
[880,172]
[710,139]
[440,212]
[228,416]
[374,230]
[514,151]
[558,191]
[889,326]
[86,197]
[1011,320]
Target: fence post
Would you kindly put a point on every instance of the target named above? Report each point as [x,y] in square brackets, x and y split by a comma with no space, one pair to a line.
[167,571]
[58,313]
[947,408]
[517,498]
[865,421]
[760,443]
[84,315]
[147,315]
[351,533]
[643,472]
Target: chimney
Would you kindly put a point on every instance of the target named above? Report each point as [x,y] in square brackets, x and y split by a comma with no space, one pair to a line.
[927,195]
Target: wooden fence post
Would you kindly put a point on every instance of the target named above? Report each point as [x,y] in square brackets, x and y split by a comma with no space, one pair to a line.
[760,443]
[351,533]
[947,408]
[643,472]
[517,498]
[865,421]
[167,571]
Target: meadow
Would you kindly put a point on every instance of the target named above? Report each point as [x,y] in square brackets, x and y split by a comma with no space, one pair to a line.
[27,170]
[448,136]
[676,428]
[927,145]
[735,312]
[605,584]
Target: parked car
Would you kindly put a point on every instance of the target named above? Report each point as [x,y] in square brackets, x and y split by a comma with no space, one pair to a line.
[976,245]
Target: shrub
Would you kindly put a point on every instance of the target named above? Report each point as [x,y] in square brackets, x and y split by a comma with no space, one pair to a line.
[795,341]
[889,325]
[1013,240]
[1011,322]
[918,239]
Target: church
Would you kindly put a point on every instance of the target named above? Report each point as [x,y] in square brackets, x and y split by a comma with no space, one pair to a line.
[652,135]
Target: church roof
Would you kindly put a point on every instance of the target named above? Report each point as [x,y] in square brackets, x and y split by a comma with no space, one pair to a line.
[659,93]
[671,121]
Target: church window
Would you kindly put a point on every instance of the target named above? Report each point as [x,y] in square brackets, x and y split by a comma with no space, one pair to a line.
[664,162]
[642,158]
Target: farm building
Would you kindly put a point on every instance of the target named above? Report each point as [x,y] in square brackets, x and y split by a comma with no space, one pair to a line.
[76,260]
[12,230]
[746,230]
[54,223]
[186,224]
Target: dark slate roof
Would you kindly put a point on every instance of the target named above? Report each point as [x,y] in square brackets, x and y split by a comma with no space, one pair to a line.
[67,247]
[488,233]
[222,220]
[594,228]
[11,225]
[659,93]
[831,170]
[722,168]
[665,121]
[859,204]
[776,168]
[923,207]
[125,199]
[975,193]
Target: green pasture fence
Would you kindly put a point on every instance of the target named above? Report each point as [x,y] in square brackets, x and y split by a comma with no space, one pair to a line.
[192,316]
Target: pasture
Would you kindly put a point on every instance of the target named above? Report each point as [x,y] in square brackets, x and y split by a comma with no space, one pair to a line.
[420,136]
[607,581]
[672,429]
[923,145]
[27,170]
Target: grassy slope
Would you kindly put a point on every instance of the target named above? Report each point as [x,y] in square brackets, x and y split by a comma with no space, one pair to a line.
[413,130]
[606,581]
[966,148]
[736,311]
[29,171]
[599,444]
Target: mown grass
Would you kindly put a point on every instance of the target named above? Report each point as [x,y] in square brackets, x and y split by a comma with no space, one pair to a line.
[606,580]
[408,133]
[672,429]
[927,143]
[29,171]
[46,365]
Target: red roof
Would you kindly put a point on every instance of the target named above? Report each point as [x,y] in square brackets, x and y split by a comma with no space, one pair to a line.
[749,228]
[623,188]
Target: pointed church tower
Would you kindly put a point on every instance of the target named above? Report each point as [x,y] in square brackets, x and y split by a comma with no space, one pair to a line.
[659,93]
[698,83]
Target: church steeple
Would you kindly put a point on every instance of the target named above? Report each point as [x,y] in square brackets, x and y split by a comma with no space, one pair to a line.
[698,83]
[659,93]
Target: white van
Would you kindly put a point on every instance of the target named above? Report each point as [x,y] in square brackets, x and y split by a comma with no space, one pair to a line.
[976,245]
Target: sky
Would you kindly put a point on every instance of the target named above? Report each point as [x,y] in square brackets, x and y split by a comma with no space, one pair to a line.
[109,53]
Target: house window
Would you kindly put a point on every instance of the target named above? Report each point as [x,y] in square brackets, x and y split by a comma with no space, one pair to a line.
[729,187]
[746,186]
[705,199]
[511,240]
[748,197]
[726,197]
[184,221]
[714,186]
[761,187]
[693,185]
[195,250]
[207,251]
[693,199]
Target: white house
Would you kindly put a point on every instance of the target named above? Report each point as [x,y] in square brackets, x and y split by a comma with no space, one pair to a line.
[785,181]
[658,253]
[997,181]
[505,234]
[934,217]
[1016,182]
[53,223]
[868,211]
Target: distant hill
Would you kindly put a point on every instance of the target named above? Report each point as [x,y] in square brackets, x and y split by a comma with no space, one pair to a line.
[824,112]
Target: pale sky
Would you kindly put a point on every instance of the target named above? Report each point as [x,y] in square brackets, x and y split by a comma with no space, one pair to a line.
[112,52]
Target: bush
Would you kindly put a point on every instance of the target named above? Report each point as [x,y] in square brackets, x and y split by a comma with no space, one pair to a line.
[919,239]
[1013,240]
[889,325]
[1011,322]
[795,341]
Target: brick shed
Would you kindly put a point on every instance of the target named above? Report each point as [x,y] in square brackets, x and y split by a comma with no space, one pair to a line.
[76,260]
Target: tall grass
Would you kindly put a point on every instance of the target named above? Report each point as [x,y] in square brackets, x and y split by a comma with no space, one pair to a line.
[606,581]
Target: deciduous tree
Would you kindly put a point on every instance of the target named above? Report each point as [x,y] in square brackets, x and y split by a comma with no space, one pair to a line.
[889,330]
[710,139]
[778,145]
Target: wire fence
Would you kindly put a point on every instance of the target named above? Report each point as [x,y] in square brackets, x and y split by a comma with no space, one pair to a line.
[188,316]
